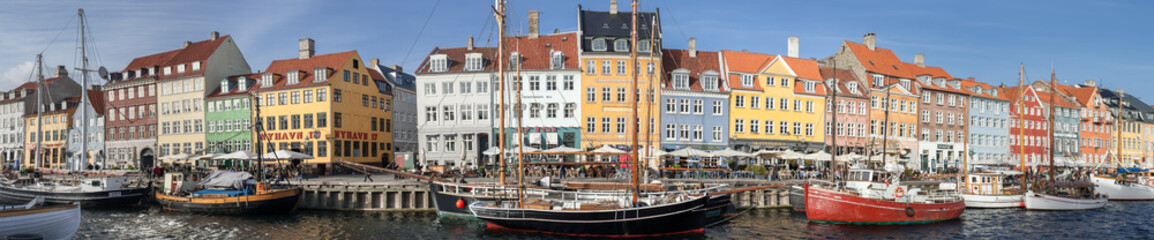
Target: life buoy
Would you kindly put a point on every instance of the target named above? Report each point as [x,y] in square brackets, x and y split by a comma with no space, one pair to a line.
[909,211]
[899,192]
[460,203]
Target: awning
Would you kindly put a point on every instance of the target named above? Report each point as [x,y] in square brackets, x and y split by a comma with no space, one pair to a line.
[552,138]
[534,138]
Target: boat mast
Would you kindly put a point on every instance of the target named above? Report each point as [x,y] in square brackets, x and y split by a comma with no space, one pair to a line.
[833,137]
[885,126]
[1022,120]
[1118,129]
[1053,92]
[258,127]
[83,97]
[636,93]
[520,131]
[652,93]
[39,109]
[499,13]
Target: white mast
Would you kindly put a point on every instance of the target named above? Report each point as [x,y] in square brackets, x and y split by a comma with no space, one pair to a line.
[83,98]
[39,109]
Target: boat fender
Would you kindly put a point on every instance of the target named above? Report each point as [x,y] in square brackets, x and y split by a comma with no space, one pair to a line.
[899,192]
[460,203]
[909,211]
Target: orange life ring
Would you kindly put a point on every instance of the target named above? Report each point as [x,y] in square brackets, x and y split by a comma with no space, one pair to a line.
[899,192]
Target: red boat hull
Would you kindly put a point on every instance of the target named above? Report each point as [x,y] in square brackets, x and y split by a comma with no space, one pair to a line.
[827,206]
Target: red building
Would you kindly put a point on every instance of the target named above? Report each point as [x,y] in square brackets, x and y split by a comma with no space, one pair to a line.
[1031,140]
[130,107]
[852,114]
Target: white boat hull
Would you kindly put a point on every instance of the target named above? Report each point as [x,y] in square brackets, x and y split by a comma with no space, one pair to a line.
[1038,201]
[1120,192]
[56,224]
[993,201]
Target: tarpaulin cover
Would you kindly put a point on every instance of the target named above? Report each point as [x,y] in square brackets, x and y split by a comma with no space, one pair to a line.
[220,178]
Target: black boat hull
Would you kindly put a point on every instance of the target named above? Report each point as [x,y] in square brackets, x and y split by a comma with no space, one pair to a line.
[719,209]
[680,218]
[267,204]
[446,202]
[111,198]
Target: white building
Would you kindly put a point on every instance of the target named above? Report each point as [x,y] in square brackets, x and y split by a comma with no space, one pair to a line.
[454,100]
[550,91]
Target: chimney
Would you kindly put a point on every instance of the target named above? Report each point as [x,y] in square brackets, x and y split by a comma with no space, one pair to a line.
[186,43]
[61,71]
[920,60]
[692,47]
[1090,83]
[533,33]
[306,48]
[397,68]
[870,40]
[470,46]
[612,6]
[375,62]
[213,35]
[792,51]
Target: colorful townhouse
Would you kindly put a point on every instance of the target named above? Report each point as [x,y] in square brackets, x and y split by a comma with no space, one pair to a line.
[852,114]
[943,115]
[768,110]
[12,106]
[1096,125]
[1128,132]
[327,106]
[456,99]
[131,107]
[989,131]
[893,96]
[87,113]
[184,77]
[607,74]
[696,100]
[404,110]
[59,98]
[1067,118]
[550,75]
[1029,134]
[229,115]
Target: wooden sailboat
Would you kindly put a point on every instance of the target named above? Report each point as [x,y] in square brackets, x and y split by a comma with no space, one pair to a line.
[627,214]
[39,220]
[1062,195]
[96,191]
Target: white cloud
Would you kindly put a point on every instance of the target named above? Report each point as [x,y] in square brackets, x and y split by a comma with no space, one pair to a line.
[17,75]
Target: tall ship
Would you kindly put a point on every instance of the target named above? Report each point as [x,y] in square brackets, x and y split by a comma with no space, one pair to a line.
[875,197]
[1054,195]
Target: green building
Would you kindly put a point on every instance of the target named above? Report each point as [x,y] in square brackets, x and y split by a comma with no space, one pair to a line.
[229,117]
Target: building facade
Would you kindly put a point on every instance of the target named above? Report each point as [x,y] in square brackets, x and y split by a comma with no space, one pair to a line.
[607,75]
[58,99]
[130,104]
[852,115]
[1130,118]
[942,123]
[550,75]
[989,131]
[1097,124]
[696,100]
[1067,119]
[94,118]
[229,115]
[404,109]
[767,109]
[1028,126]
[184,77]
[12,106]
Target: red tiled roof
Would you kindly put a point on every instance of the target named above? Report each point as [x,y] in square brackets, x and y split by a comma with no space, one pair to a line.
[746,62]
[456,58]
[1085,95]
[673,59]
[881,60]
[936,72]
[818,89]
[1045,97]
[198,51]
[278,68]
[966,84]
[845,76]
[804,68]
[535,53]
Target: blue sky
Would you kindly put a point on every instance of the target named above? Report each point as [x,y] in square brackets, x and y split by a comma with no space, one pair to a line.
[1101,40]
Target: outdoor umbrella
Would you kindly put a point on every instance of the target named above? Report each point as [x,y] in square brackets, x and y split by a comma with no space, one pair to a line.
[607,149]
[286,154]
[242,154]
[690,152]
[729,152]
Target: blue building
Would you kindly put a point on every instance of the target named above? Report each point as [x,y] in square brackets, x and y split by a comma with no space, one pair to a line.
[989,129]
[695,100]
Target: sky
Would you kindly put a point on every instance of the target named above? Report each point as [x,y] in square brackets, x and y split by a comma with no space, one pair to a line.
[1103,40]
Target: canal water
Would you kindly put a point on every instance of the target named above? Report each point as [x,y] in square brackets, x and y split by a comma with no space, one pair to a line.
[1119,220]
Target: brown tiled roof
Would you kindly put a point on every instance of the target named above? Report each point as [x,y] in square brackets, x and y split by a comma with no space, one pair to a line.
[673,59]
[332,61]
[1085,95]
[197,51]
[880,60]
[846,76]
[535,53]
[804,68]
[1045,97]
[744,62]
[970,83]
[456,58]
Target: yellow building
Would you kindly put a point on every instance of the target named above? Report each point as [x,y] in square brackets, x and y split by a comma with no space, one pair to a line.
[329,106]
[607,77]
[777,102]
[1131,142]
[55,122]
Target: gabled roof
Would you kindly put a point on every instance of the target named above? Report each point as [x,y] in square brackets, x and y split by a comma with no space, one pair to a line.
[197,51]
[746,62]
[673,59]
[398,78]
[1084,95]
[456,58]
[818,88]
[597,23]
[846,77]
[1058,101]
[804,68]
[880,60]
[966,84]
[383,86]
[935,72]
[536,53]
[332,61]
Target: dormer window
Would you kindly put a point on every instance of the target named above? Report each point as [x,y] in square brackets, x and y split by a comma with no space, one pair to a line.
[294,76]
[266,80]
[223,86]
[709,80]
[906,83]
[599,44]
[879,80]
[167,71]
[438,63]
[681,79]
[241,84]
[472,61]
[621,45]
[180,68]
[141,72]
[643,46]
[557,60]
[852,87]
[514,60]
[924,78]
[747,80]
[810,87]
[196,66]
[320,74]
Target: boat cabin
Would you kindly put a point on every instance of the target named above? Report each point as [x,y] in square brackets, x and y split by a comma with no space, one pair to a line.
[988,183]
